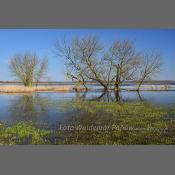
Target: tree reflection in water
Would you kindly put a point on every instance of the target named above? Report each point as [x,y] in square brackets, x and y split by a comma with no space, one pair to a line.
[28,107]
[106,96]
[35,108]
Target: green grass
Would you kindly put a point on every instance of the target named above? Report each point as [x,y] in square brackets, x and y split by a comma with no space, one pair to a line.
[123,124]
[22,133]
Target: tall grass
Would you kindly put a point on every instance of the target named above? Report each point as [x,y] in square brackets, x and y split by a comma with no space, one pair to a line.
[23,89]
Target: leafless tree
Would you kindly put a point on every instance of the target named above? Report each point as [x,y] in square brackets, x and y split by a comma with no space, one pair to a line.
[41,70]
[74,69]
[85,60]
[28,68]
[151,65]
[125,61]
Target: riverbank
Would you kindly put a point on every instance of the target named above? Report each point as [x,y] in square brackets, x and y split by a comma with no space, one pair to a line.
[69,88]
[149,87]
[22,89]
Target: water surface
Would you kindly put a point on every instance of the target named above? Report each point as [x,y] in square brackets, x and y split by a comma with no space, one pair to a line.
[50,107]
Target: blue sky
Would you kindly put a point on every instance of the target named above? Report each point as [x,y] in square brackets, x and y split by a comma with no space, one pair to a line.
[41,41]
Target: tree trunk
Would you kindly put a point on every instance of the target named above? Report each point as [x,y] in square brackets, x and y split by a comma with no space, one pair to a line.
[105,88]
[99,97]
[117,80]
[140,97]
[138,88]
[84,84]
[117,84]
[117,96]
[77,89]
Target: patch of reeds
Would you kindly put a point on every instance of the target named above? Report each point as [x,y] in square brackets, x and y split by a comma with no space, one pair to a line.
[23,89]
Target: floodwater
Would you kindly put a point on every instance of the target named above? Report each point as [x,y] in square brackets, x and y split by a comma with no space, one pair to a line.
[50,107]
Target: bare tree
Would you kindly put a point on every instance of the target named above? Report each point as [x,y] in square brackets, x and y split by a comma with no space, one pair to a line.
[41,70]
[125,61]
[151,65]
[28,68]
[85,60]
[74,69]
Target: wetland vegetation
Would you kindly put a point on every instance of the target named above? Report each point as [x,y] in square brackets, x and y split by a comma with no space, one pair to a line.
[46,118]
[111,99]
